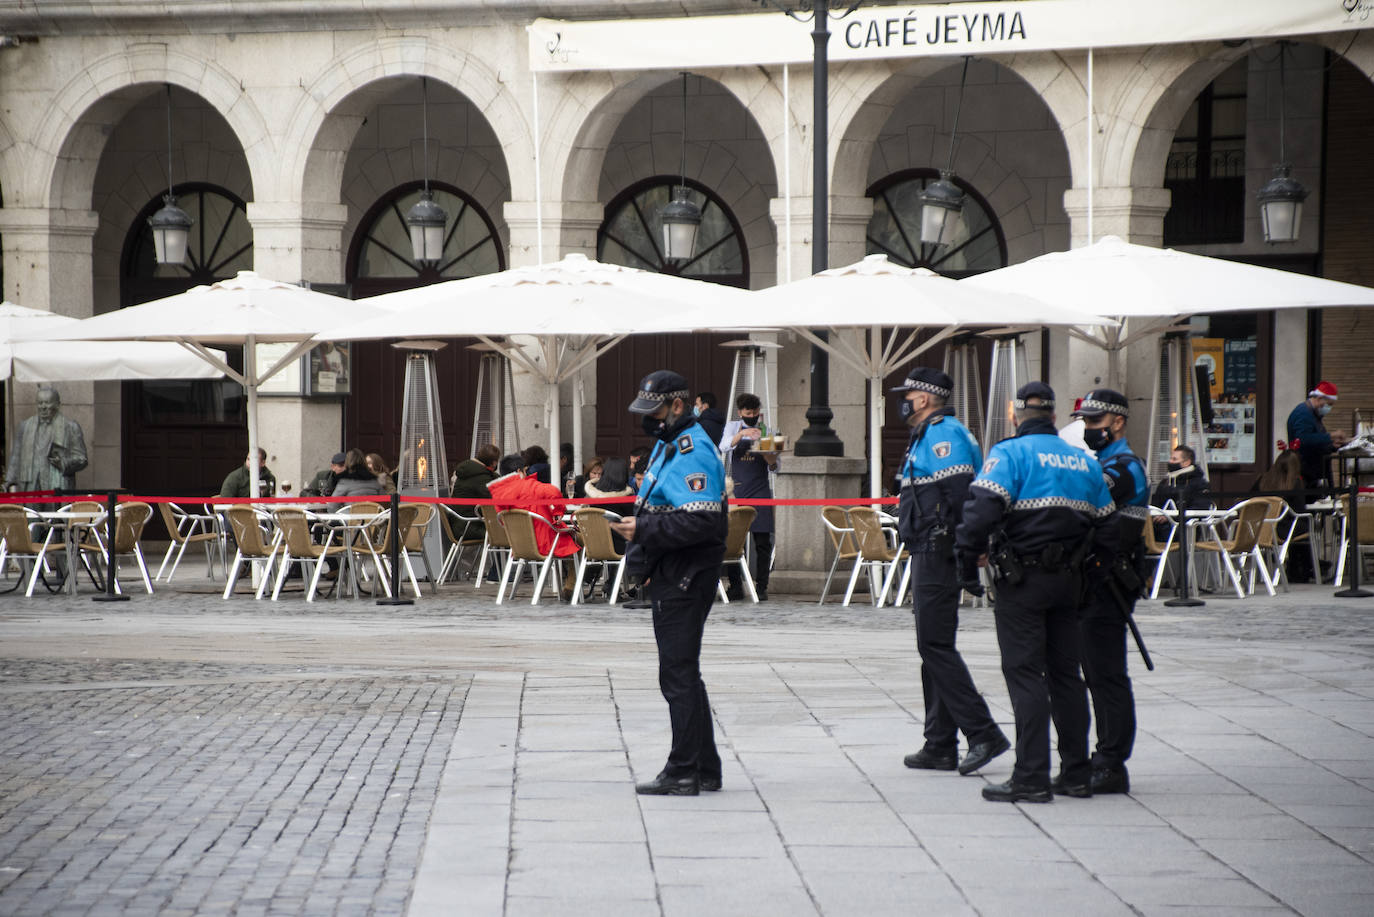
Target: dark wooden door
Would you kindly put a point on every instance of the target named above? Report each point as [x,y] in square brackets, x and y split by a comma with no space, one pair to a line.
[699,357]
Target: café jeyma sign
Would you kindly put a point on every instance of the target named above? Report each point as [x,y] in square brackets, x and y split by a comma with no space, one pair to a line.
[927,30]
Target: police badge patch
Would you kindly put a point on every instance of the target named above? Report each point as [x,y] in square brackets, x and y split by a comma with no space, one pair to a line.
[990,464]
[941,450]
[684,443]
[696,482]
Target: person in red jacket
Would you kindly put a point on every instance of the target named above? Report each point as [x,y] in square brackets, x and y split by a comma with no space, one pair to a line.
[517,489]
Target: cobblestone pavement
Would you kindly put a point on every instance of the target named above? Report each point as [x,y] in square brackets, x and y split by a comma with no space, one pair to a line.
[184,754]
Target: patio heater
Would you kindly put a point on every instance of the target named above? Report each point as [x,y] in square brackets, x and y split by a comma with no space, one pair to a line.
[493,417]
[961,365]
[1010,370]
[750,374]
[423,467]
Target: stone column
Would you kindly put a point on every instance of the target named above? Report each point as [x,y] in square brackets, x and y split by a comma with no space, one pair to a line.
[48,266]
[294,242]
[803,547]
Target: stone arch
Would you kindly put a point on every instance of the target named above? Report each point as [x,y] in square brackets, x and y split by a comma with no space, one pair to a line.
[593,106]
[1162,105]
[900,121]
[64,152]
[332,109]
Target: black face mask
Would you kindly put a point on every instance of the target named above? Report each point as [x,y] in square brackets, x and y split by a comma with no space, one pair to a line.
[905,410]
[1174,466]
[750,421]
[1098,439]
[653,426]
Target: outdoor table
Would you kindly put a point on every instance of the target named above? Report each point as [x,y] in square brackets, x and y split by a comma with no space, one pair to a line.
[1208,519]
[348,529]
[73,524]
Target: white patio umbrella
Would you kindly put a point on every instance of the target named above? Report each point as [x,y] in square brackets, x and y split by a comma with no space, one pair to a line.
[1152,289]
[576,309]
[1155,288]
[82,361]
[875,294]
[247,310]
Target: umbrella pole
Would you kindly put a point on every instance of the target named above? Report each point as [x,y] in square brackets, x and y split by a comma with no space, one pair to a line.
[554,434]
[250,388]
[578,397]
[875,435]
[9,417]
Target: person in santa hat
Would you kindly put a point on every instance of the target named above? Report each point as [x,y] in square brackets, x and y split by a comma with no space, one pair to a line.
[1307,434]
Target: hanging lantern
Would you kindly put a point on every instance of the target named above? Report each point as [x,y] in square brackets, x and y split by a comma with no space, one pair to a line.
[426,221]
[942,203]
[1280,202]
[681,219]
[171,231]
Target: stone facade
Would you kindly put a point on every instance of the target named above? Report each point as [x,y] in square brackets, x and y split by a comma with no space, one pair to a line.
[311,113]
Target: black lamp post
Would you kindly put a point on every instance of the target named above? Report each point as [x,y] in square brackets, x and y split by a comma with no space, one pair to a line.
[942,202]
[681,217]
[171,225]
[426,220]
[1281,198]
[818,438]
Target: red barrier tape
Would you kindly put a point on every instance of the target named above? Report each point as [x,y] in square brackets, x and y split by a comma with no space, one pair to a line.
[447,501]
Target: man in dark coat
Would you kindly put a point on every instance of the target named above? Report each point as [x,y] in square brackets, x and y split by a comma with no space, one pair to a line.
[711,420]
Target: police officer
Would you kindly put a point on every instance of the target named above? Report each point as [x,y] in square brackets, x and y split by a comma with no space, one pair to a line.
[1103,623]
[1043,504]
[942,458]
[677,537]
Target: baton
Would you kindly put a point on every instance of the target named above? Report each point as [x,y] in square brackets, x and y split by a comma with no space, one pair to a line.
[1125,610]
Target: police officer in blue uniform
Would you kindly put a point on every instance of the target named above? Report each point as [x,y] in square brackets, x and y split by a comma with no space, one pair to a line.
[942,458]
[1035,510]
[1103,622]
[677,542]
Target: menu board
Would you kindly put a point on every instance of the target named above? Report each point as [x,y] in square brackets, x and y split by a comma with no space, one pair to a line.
[1231,434]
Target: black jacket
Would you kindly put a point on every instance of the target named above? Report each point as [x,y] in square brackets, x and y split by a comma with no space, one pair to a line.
[1188,487]
[470,480]
[713,422]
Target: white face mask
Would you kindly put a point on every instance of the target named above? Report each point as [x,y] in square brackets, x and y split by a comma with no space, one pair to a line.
[1323,410]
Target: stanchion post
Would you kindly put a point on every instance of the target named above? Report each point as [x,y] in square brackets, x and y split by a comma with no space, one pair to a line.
[109,595]
[1183,599]
[1353,514]
[394,556]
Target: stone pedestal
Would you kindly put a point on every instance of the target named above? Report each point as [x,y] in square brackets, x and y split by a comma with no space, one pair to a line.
[802,543]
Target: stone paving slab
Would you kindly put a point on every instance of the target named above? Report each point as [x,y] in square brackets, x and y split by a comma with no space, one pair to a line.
[184,754]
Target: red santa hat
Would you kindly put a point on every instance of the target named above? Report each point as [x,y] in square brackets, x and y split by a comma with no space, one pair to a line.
[1324,389]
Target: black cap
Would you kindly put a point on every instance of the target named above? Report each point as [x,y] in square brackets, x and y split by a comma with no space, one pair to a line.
[1034,390]
[925,379]
[1103,401]
[338,459]
[656,388]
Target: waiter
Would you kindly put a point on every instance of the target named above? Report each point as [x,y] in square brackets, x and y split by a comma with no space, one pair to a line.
[750,471]
[1037,508]
[1103,622]
[677,537]
[942,458]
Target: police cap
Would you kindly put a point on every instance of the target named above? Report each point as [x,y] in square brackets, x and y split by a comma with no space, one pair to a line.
[656,388]
[1103,401]
[925,379]
[1034,390]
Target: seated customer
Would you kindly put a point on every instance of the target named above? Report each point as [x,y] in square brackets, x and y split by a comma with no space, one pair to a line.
[322,484]
[537,463]
[236,482]
[590,473]
[470,480]
[639,463]
[519,489]
[377,465]
[613,482]
[357,479]
[1185,485]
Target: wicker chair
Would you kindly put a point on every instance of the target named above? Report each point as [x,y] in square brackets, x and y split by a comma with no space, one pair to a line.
[1242,546]
[247,524]
[297,547]
[456,528]
[16,540]
[495,544]
[524,548]
[185,529]
[130,518]
[737,536]
[841,532]
[875,551]
[598,547]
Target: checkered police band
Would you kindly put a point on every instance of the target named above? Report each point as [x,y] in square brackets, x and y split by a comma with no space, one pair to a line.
[1044,404]
[1093,405]
[661,396]
[916,385]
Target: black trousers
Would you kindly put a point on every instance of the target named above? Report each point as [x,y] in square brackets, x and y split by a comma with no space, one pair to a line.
[679,620]
[1104,668]
[1037,631]
[763,556]
[952,701]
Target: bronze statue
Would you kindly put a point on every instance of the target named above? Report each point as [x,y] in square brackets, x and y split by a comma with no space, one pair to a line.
[49,449]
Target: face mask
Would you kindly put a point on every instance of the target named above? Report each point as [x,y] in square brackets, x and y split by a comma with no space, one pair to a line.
[1098,439]
[906,410]
[1174,466]
[696,410]
[652,425]
[750,421]
[1324,410]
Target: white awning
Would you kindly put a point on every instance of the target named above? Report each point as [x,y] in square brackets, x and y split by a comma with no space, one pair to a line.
[928,30]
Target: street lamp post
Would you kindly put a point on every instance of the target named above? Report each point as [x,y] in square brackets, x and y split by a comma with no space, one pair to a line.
[819,438]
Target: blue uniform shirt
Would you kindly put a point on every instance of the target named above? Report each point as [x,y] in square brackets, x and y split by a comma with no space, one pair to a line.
[1040,491]
[680,521]
[942,458]
[1129,486]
